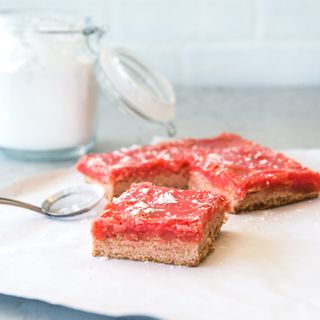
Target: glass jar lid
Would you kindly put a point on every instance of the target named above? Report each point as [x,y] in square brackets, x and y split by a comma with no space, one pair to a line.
[137,88]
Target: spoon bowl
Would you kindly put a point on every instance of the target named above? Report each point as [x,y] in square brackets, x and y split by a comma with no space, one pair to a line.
[66,203]
[73,201]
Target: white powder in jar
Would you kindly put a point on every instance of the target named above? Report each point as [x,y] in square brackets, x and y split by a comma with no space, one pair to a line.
[47,91]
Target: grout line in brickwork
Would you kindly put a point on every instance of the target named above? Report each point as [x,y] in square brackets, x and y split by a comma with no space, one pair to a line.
[259,23]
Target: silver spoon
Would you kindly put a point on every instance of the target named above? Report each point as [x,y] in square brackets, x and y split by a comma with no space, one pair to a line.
[66,203]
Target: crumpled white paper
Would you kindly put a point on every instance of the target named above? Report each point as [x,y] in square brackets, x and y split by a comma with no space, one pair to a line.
[266,264]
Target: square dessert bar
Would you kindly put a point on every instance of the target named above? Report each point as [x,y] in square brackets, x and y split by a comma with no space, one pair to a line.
[249,175]
[151,223]
[118,169]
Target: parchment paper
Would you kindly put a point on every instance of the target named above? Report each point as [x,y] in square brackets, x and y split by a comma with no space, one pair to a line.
[266,264]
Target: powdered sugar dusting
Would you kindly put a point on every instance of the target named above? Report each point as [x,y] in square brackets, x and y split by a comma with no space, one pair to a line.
[144,190]
[166,198]
[135,211]
[263,161]
[139,208]
[148,210]
[141,205]
[116,200]
[95,161]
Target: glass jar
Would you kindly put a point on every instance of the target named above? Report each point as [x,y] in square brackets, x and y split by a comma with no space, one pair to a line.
[49,66]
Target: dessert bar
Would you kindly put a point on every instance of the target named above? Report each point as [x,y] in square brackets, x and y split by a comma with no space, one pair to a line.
[249,175]
[160,224]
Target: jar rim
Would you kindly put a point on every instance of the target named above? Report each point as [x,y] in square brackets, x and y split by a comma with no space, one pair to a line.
[48,23]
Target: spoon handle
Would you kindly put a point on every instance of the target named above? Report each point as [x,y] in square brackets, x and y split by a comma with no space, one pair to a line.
[16,203]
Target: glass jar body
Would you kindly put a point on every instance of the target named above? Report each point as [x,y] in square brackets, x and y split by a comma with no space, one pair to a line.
[47,90]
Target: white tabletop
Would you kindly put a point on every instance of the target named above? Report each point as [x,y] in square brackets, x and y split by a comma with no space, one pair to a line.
[279,118]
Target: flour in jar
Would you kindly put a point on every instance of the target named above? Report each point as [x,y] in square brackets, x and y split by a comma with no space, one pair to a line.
[47,90]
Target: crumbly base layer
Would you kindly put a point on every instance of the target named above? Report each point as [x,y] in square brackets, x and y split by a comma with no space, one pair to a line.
[270,199]
[163,179]
[175,252]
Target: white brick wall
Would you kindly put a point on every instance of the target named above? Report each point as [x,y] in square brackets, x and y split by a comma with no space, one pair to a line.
[294,20]
[212,42]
